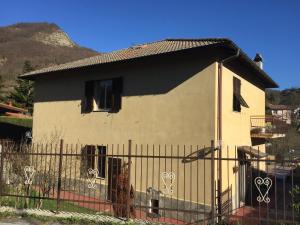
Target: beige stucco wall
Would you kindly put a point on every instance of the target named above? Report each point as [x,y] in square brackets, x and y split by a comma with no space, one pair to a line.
[169,104]
[236,126]
[162,105]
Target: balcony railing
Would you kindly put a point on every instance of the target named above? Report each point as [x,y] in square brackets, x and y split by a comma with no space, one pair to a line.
[268,126]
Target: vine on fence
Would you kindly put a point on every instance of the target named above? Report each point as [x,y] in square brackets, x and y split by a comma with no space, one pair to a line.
[295,193]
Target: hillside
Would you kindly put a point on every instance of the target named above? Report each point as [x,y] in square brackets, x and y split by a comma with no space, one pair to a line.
[42,44]
[289,96]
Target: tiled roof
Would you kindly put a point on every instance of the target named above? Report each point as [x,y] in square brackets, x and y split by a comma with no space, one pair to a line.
[154,48]
[150,49]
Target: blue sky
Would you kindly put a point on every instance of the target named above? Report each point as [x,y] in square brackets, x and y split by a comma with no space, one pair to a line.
[271,27]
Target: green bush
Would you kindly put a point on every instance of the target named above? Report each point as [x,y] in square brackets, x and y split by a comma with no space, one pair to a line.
[296,198]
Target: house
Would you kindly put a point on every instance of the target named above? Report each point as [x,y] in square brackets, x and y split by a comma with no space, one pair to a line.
[10,127]
[282,112]
[169,92]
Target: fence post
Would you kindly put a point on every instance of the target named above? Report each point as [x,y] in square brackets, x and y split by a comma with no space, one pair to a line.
[212,161]
[219,203]
[1,166]
[59,175]
[128,185]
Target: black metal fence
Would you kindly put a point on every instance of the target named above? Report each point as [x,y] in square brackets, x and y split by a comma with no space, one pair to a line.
[175,184]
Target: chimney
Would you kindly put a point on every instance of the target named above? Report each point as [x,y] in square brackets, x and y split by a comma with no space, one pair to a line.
[258,59]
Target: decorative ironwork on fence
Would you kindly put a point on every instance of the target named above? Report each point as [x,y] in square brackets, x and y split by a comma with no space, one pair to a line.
[165,183]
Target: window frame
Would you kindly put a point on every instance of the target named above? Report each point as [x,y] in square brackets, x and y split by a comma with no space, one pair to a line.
[92,103]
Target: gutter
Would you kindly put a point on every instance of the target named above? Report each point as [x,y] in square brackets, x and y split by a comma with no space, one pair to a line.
[219,129]
[245,57]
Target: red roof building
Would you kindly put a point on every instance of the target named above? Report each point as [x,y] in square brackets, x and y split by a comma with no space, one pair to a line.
[10,110]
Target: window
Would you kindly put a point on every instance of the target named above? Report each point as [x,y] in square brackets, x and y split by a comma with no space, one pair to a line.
[238,100]
[94,157]
[103,95]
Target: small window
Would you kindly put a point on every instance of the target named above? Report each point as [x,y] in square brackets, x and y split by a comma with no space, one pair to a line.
[238,100]
[102,95]
[94,157]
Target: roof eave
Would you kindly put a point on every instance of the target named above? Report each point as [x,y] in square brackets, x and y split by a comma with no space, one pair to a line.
[243,55]
[269,82]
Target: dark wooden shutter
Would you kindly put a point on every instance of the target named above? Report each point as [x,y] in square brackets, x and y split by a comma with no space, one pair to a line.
[243,102]
[91,151]
[83,162]
[236,86]
[117,90]
[87,159]
[102,161]
[87,104]
[236,94]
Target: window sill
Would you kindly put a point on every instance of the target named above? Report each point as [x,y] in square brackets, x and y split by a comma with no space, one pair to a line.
[100,178]
[103,110]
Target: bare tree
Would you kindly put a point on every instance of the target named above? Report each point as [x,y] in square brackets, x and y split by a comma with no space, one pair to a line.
[15,160]
[47,183]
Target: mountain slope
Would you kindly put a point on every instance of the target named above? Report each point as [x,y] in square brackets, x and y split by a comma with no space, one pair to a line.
[289,96]
[43,44]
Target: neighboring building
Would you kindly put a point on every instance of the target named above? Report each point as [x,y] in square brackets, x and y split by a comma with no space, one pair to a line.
[11,129]
[297,113]
[282,112]
[297,117]
[170,92]
[10,110]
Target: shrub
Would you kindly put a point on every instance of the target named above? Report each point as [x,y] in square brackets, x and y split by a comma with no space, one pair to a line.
[296,198]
